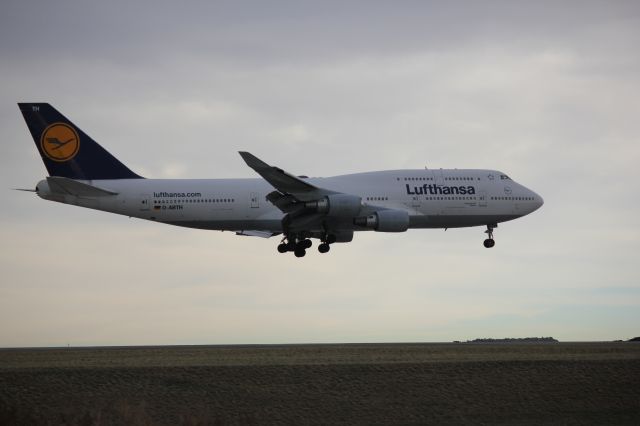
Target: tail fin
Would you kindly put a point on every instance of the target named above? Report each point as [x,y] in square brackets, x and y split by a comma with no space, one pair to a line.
[66,150]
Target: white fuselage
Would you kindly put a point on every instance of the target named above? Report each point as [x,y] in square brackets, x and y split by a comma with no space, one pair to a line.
[442,198]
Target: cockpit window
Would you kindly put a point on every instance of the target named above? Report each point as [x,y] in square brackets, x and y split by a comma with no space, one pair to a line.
[504,177]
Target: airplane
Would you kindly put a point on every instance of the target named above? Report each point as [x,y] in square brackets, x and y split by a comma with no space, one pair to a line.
[299,208]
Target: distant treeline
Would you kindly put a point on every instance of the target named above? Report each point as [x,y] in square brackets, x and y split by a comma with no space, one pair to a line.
[515,340]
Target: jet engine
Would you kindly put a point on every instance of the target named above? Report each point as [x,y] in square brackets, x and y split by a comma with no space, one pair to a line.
[385,221]
[337,205]
[343,236]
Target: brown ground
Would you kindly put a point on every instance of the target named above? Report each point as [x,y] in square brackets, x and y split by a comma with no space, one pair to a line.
[564,383]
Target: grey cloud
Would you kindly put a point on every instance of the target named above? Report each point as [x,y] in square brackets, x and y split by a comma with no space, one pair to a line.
[283,32]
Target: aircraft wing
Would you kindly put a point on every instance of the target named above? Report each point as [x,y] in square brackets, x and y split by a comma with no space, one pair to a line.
[285,183]
[307,207]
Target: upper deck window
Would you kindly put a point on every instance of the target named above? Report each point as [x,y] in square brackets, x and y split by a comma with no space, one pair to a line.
[505,177]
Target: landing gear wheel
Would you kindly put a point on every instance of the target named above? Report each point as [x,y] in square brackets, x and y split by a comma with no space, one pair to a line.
[303,244]
[282,248]
[300,252]
[489,242]
[324,248]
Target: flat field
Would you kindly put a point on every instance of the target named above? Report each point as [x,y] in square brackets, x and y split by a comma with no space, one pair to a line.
[357,384]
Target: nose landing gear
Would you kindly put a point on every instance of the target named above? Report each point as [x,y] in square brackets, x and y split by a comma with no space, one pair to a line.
[490,242]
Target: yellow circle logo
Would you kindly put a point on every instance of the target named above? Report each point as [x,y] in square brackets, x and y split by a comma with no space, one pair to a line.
[60,142]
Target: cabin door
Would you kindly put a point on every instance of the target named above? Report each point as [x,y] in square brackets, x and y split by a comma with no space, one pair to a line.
[254,200]
[144,203]
[482,199]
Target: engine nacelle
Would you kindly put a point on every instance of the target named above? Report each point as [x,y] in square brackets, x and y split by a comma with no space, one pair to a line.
[385,221]
[337,205]
[343,236]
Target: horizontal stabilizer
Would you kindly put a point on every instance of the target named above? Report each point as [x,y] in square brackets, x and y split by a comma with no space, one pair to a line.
[64,185]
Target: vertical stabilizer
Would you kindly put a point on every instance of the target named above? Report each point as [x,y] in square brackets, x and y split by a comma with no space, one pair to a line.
[66,150]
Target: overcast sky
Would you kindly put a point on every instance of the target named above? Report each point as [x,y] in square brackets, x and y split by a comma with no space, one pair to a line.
[548,92]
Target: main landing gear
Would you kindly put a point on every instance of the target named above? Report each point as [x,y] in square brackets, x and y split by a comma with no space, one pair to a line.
[490,242]
[326,243]
[299,246]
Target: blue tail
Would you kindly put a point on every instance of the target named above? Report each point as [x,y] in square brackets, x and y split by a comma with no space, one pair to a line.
[66,150]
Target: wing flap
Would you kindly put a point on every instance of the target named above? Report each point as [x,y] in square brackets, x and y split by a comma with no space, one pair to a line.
[261,234]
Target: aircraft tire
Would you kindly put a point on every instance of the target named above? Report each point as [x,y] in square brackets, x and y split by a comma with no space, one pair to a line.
[282,248]
[304,244]
[300,252]
[489,242]
[324,248]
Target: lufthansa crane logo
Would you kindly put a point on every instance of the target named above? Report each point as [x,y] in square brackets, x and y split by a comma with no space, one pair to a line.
[60,142]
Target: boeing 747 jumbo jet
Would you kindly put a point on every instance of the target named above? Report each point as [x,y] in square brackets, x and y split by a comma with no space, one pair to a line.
[299,208]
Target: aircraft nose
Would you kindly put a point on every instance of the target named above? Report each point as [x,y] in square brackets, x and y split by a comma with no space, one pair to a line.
[538,200]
